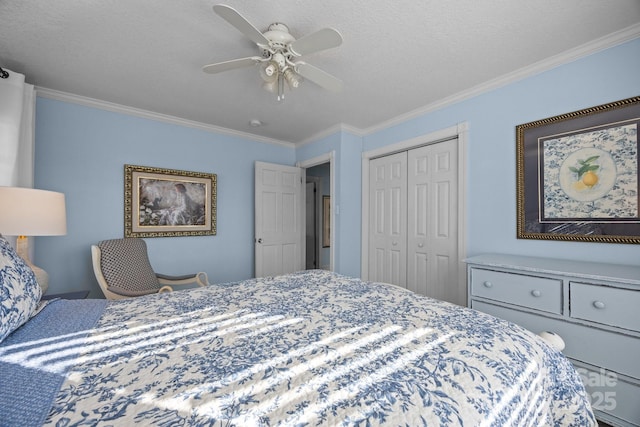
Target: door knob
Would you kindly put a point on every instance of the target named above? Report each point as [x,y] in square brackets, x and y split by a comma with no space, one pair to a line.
[259,240]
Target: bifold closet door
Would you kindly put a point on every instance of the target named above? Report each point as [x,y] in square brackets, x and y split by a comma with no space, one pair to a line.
[388,219]
[432,232]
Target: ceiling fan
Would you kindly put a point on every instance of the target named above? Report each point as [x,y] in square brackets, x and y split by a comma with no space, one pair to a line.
[281,52]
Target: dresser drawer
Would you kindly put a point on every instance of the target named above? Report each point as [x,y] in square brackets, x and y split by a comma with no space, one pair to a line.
[606,305]
[610,350]
[611,395]
[534,292]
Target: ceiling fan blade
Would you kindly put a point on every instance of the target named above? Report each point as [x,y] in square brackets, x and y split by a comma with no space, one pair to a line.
[234,18]
[319,77]
[231,65]
[314,42]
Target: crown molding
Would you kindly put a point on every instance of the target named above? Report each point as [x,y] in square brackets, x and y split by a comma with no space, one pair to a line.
[145,114]
[619,37]
[331,131]
[611,40]
[608,41]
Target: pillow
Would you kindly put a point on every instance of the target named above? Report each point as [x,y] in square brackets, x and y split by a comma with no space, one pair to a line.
[19,290]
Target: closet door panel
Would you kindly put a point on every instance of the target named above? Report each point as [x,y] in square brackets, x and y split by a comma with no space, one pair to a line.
[419,268]
[388,221]
[420,195]
[417,248]
[432,214]
[378,217]
[397,267]
[418,221]
[443,210]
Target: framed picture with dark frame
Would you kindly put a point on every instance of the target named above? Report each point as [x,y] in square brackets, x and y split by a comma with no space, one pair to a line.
[168,202]
[326,221]
[578,175]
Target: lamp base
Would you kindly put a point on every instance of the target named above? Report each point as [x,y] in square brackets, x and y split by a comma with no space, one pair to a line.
[22,249]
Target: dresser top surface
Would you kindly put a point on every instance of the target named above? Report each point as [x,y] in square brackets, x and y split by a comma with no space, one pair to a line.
[629,274]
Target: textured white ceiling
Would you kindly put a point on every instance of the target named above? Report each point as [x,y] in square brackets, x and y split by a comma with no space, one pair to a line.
[397,57]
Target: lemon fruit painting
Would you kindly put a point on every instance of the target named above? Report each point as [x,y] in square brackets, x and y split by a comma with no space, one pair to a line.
[578,175]
[591,175]
[587,174]
[589,179]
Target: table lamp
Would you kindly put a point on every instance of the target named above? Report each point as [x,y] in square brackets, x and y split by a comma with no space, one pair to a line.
[30,212]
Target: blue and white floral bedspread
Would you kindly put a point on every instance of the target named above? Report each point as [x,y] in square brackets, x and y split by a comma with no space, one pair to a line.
[313,348]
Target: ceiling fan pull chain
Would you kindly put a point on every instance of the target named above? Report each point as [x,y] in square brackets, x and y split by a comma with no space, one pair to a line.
[280,87]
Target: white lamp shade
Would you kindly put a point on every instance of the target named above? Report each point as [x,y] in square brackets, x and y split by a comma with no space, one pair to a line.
[31,212]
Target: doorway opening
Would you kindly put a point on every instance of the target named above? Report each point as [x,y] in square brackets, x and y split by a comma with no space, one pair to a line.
[319,214]
[317,254]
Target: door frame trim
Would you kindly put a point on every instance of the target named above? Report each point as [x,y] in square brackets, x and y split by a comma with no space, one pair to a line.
[318,160]
[459,131]
[317,213]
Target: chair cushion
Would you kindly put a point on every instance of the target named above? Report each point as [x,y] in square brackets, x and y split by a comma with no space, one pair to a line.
[126,268]
[19,290]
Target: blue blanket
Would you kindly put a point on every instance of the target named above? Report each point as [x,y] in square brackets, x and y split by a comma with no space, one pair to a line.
[35,359]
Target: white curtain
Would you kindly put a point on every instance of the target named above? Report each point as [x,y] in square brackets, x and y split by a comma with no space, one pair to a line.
[17,122]
[17,128]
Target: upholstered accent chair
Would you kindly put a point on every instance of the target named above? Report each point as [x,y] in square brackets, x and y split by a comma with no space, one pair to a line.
[123,270]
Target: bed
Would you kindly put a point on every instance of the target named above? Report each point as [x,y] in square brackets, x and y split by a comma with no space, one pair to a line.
[309,348]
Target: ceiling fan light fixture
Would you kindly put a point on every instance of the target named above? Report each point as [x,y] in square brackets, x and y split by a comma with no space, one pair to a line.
[293,79]
[279,59]
[269,71]
[271,86]
[275,87]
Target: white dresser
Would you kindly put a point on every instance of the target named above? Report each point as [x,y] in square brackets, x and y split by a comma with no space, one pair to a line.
[594,307]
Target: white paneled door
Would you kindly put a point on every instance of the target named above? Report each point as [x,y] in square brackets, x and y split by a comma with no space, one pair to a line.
[432,218]
[388,219]
[413,220]
[279,223]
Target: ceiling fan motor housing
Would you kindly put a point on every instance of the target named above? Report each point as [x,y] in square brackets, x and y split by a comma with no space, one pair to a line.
[278,34]
[279,40]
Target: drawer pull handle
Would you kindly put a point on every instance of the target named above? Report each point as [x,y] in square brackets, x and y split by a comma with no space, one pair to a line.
[599,305]
[536,293]
[488,284]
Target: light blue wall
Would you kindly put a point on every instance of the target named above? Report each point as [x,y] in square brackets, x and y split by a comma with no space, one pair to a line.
[82,151]
[347,229]
[600,78]
[350,204]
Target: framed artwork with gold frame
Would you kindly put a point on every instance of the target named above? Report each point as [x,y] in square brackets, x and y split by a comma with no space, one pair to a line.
[578,175]
[167,202]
